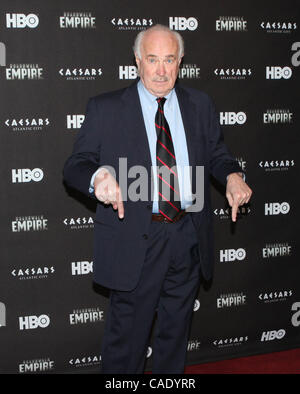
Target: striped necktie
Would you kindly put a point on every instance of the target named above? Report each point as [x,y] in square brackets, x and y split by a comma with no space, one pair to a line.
[168,186]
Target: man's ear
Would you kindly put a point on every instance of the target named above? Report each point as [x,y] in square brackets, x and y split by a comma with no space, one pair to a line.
[137,60]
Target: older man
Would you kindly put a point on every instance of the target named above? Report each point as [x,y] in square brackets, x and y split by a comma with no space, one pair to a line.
[152,252]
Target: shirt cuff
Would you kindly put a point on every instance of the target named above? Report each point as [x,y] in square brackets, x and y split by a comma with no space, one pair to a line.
[91,188]
[243,176]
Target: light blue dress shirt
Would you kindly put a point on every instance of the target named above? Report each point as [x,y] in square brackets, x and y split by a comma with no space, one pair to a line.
[173,115]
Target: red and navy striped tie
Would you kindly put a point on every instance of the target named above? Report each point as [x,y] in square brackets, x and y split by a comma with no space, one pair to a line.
[168,186]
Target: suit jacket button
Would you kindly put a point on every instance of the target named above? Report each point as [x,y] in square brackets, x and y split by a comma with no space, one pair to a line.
[145,236]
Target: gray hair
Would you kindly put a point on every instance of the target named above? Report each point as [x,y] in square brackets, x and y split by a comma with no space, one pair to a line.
[140,36]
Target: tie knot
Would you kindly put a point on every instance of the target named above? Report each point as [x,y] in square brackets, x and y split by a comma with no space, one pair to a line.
[161,101]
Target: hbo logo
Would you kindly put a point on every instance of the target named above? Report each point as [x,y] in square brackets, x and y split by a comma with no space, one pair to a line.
[127,72]
[278,72]
[22,21]
[275,208]
[232,254]
[27,175]
[31,322]
[75,121]
[271,335]
[232,118]
[181,23]
[82,267]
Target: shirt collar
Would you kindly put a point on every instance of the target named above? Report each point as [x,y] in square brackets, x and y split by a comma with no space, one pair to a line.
[151,99]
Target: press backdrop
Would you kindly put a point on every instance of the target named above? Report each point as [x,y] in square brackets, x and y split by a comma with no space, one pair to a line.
[54,55]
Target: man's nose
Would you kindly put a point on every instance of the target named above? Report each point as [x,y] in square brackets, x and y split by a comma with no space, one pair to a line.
[161,70]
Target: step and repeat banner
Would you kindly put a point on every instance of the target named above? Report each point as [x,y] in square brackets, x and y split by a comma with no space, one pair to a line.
[54,56]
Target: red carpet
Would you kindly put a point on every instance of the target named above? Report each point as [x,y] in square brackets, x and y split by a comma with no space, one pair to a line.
[285,362]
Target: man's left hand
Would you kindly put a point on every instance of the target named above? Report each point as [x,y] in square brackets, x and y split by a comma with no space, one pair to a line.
[237,192]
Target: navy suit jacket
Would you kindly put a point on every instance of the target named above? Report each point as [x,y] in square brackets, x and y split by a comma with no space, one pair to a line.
[114,128]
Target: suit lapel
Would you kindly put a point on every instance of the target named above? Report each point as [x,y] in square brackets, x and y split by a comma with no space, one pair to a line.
[134,123]
[188,114]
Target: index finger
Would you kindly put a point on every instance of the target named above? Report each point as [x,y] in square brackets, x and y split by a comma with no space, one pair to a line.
[120,205]
[234,209]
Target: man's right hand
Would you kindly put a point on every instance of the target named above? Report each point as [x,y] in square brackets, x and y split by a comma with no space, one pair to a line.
[107,190]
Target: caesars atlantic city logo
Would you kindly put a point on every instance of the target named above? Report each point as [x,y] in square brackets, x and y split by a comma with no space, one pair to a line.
[85,361]
[277,208]
[276,250]
[275,296]
[231,23]
[32,272]
[228,342]
[232,118]
[225,213]
[79,223]
[275,116]
[77,20]
[276,165]
[230,300]
[131,23]
[80,74]
[232,254]
[21,21]
[232,73]
[24,72]
[29,223]
[25,175]
[186,71]
[27,124]
[278,27]
[86,315]
[36,365]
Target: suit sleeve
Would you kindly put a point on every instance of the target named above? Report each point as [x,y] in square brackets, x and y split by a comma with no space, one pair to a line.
[221,162]
[85,159]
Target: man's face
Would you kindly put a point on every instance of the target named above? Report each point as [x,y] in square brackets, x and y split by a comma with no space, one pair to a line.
[159,63]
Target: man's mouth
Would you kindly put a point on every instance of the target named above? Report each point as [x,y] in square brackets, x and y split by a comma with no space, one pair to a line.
[160,80]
